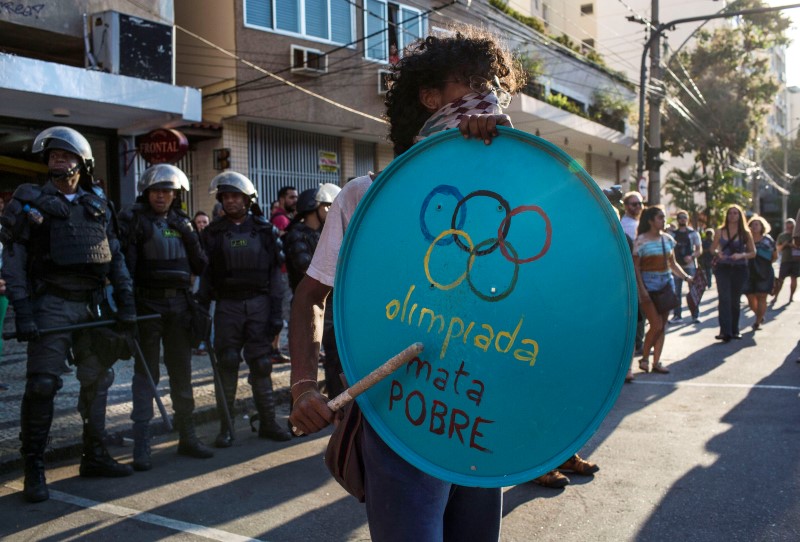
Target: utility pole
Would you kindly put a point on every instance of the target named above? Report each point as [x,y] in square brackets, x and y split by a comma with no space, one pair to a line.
[756,205]
[654,153]
[784,195]
[653,46]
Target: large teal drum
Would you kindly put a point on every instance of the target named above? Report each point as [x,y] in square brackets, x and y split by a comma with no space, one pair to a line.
[508,263]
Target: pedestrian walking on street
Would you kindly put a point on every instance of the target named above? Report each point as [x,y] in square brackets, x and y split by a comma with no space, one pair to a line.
[462,80]
[654,263]
[280,217]
[162,251]
[707,256]
[245,257]
[761,275]
[632,206]
[790,261]
[687,249]
[733,246]
[60,249]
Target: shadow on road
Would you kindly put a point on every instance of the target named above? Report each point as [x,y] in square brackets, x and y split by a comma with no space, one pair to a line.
[754,503]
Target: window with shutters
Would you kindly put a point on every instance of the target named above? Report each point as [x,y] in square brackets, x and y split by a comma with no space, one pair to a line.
[389,25]
[319,20]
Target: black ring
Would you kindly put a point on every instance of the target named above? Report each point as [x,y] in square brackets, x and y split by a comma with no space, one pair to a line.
[496,242]
[501,295]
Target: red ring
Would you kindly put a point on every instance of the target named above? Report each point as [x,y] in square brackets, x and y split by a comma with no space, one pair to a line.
[548,230]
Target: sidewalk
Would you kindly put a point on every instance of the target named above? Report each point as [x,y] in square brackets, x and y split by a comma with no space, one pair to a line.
[65,433]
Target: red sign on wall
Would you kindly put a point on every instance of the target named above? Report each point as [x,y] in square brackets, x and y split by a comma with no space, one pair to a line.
[162,146]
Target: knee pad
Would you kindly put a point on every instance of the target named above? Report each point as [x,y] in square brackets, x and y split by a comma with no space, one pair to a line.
[89,371]
[42,386]
[260,367]
[105,379]
[229,360]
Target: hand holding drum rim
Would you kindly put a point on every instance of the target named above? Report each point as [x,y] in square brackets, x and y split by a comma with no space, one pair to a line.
[311,412]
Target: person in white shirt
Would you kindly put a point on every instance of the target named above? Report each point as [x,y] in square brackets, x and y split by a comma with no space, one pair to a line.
[461,80]
[632,203]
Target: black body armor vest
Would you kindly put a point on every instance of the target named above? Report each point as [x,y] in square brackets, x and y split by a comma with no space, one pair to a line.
[242,257]
[299,245]
[162,260]
[70,248]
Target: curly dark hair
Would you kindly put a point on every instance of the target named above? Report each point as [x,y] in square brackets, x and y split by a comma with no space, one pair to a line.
[431,63]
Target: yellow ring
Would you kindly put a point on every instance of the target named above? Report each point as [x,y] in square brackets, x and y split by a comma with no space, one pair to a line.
[460,279]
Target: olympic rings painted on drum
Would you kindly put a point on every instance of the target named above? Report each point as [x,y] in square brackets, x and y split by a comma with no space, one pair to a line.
[507,224]
[447,190]
[504,294]
[426,261]
[457,222]
[503,230]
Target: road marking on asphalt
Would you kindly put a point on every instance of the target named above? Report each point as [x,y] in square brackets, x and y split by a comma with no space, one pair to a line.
[717,385]
[145,517]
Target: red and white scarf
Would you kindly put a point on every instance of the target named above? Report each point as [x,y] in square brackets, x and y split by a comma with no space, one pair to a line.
[451,114]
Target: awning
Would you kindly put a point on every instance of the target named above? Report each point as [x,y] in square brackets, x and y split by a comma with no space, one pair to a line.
[50,92]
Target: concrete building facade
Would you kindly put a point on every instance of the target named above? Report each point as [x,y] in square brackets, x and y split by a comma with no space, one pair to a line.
[105,68]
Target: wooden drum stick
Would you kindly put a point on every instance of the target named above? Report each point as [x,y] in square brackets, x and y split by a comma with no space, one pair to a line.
[375,376]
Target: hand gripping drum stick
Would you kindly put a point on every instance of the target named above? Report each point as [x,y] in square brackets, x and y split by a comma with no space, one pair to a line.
[390,366]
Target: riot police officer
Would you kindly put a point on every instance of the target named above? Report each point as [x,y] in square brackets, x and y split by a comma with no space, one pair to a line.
[162,252]
[244,255]
[60,248]
[299,245]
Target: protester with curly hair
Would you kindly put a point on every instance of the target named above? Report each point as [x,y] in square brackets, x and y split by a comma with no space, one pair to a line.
[460,80]
[732,246]
[654,263]
[761,277]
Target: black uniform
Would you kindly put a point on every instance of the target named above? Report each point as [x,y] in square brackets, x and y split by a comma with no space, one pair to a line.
[162,254]
[244,261]
[58,255]
[299,243]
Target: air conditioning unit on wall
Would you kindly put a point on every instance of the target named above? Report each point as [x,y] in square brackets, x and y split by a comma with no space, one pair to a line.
[307,61]
[128,45]
[383,81]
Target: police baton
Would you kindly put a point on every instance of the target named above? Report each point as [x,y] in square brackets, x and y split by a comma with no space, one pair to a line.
[79,327]
[133,344]
[212,355]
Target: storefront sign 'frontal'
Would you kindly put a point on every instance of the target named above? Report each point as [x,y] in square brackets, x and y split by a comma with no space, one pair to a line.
[162,146]
[508,263]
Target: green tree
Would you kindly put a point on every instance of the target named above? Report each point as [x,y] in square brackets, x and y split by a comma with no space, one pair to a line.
[731,70]
[720,192]
[681,186]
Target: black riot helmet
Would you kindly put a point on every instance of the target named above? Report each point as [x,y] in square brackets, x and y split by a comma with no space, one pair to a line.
[311,199]
[67,139]
[307,201]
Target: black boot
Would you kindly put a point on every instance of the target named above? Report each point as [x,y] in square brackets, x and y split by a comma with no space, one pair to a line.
[226,433]
[189,444]
[96,460]
[264,398]
[92,401]
[36,417]
[141,446]
[35,487]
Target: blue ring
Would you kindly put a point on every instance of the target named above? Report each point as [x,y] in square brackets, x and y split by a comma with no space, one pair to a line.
[445,189]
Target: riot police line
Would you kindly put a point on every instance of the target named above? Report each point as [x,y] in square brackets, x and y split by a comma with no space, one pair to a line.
[94,285]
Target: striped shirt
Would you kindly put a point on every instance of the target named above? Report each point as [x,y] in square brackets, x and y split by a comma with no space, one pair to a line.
[653,264]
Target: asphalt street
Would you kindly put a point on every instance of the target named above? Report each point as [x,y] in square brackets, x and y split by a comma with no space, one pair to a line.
[709,452]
